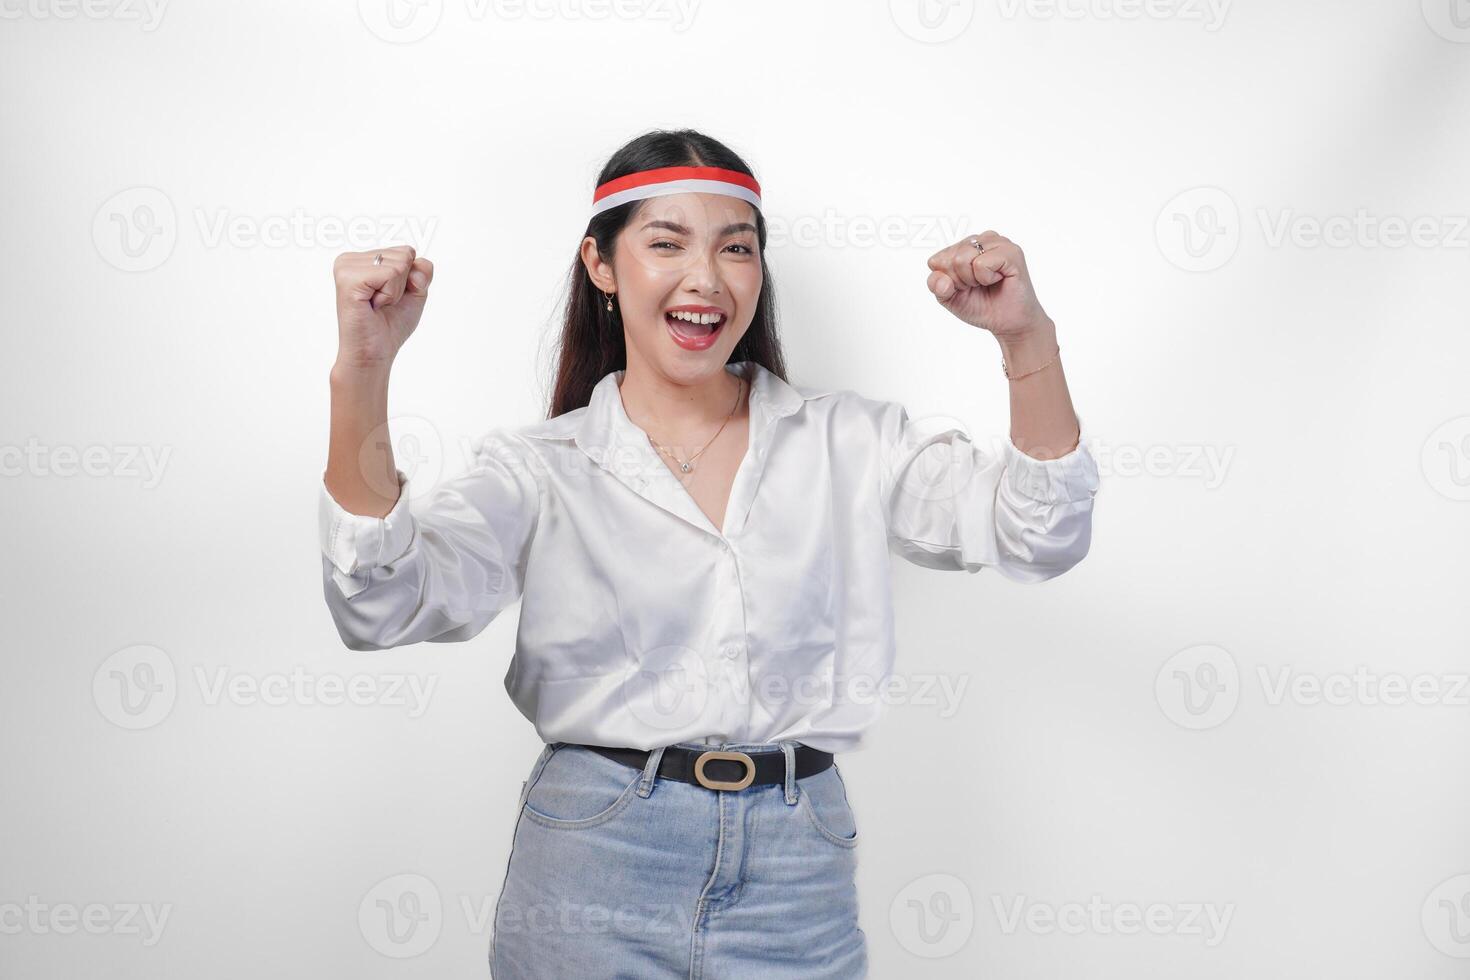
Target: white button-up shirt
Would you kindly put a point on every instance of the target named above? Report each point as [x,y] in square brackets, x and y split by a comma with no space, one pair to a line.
[642,624]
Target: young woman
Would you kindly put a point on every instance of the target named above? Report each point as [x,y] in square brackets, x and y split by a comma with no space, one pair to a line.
[701,549]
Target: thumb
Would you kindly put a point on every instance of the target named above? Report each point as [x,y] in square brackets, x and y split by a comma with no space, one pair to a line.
[941,285]
[420,274]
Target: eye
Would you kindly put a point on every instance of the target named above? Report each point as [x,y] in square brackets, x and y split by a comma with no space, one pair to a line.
[664,242]
[748,249]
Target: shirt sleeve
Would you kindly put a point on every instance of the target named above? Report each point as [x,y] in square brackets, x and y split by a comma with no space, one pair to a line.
[439,568]
[953,505]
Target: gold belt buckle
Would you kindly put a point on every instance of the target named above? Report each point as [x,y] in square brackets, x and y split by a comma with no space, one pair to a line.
[720,783]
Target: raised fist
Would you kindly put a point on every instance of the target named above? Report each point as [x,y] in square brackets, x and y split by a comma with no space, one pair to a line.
[378,305]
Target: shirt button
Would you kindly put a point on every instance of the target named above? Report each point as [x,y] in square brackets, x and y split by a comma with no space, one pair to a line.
[731,651]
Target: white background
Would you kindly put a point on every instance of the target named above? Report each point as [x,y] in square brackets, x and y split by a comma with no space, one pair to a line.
[1163,171]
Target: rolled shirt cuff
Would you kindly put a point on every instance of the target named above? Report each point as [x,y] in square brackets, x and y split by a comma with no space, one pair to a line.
[1065,479]
[355,541]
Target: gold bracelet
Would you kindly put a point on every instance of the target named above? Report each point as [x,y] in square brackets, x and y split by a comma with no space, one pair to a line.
[1007,369]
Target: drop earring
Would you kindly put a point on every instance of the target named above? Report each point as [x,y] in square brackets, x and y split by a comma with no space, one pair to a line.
[609,301]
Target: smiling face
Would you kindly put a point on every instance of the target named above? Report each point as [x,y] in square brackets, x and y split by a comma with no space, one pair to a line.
[687,274]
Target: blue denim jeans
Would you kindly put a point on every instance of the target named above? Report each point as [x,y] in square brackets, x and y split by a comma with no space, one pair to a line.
[616,874]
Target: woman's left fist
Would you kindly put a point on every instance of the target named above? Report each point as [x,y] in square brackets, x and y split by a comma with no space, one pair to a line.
[988,288]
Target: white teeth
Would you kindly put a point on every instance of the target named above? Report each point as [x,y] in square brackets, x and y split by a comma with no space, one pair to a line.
[704,318]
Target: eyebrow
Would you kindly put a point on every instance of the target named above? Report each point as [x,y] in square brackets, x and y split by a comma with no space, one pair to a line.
[679,229]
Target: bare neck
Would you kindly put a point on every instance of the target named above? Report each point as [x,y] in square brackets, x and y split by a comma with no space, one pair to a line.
[661,405]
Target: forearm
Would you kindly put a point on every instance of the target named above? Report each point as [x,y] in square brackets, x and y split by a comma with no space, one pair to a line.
[360,464]
[1043,423]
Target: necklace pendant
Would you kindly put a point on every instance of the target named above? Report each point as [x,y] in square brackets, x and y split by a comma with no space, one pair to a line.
[684,467]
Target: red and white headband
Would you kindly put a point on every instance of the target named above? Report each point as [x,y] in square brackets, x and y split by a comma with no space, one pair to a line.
[675,180]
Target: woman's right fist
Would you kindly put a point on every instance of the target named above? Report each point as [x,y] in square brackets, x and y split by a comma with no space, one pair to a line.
[378,306]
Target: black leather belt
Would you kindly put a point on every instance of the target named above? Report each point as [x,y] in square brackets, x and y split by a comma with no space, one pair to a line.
[705,767]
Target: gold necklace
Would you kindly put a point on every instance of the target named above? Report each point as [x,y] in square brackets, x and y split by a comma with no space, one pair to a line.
[685,466]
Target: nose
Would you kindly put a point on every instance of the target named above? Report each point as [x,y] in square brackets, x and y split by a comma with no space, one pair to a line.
[703,276]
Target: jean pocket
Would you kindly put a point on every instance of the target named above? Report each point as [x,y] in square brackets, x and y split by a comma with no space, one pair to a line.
[576,788]
[824,798]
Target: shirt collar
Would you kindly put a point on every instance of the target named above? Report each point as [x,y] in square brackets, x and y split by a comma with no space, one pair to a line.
[609,437]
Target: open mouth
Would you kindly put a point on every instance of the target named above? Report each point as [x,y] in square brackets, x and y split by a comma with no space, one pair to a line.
[694,330]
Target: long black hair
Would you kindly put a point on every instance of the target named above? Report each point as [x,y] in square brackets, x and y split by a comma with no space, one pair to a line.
[592,342]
